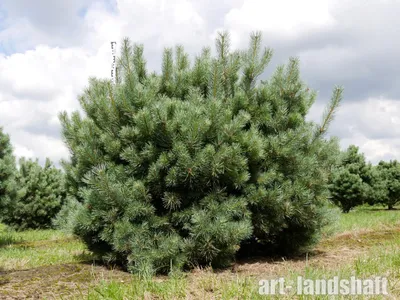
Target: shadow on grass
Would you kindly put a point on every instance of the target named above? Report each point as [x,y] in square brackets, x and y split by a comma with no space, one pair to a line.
[87,258]
[366,208]
[384,209]
[93,260]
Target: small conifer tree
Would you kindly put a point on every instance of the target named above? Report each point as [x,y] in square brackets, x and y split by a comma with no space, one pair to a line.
[388,181]
[40,194]
[7,170]
[186,167]
[351,181]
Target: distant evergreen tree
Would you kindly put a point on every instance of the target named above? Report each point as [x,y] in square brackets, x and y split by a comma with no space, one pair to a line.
[7,170]
[388,183]
[186,167]
[348,189]
[377,191]
[351,180]
[40,194]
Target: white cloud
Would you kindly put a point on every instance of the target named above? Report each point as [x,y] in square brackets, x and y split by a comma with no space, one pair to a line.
[379,117]
[373,125]
[35,86]
[22,151]
[286,17]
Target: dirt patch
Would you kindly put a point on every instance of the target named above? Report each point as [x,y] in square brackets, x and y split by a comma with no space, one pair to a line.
[54,282]
[330,254]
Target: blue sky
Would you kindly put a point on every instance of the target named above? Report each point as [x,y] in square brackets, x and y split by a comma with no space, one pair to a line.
[48,49]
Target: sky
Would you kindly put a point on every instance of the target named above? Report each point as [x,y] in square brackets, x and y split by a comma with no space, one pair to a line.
[49,49]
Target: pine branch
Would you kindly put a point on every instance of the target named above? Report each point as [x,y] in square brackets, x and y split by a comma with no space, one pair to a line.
[223,46]
[139,62]
[182,59]
[330,110]
[167,69]
[254,64]
[215,77]
[125,60]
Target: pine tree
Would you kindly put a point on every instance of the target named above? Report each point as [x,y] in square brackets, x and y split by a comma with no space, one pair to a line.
[351,181]
[7,169]
[40,194]
[388,183]
[184,168]
[348,189]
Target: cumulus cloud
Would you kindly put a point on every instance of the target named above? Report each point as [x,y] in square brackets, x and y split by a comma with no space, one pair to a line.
[351,43]
[55,23]
[35,86]
[286,17]
[373,125]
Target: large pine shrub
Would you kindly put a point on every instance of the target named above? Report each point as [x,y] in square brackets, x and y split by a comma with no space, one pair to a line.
[39,197]
[186,167]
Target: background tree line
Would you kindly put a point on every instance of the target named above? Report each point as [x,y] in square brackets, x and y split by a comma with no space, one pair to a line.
[355,182]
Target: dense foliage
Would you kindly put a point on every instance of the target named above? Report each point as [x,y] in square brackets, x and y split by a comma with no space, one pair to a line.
[351,180]
[388,183]
[186,167]
[354,182]
[65,218]
[7,170]
[40,194]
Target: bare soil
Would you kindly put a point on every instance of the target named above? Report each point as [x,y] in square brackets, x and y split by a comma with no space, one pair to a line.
[55,282]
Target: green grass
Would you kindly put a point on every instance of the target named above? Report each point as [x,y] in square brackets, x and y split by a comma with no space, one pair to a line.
[366,218]
[32,235]
[139,289]
[37,248]
[369,218]
[364,243]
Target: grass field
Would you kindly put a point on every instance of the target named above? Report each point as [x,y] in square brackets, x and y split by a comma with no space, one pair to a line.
[49,264]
